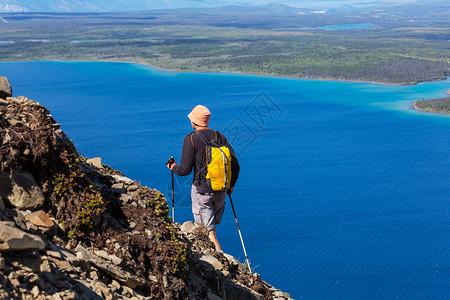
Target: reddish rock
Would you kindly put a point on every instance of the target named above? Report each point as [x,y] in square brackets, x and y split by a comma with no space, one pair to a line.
[40,218]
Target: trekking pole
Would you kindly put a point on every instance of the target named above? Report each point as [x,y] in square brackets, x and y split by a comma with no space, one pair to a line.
[240,235]
[173,202]
[169,163]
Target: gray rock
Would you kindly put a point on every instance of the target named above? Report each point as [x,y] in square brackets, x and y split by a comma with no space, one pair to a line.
[6,139]
[14,239]
[54,254]
[9,223]
[234,261]
[133,187]
[61,264]
[35,291]
[116,285]
[96,162]
[149,233]
[2,204]
[165,282]
[109,269]
[235,291]
[142,203]
[120,178]
[45,267]
[2,263]
[24,100]
[65,254]
[86,292]
[195,280]
[118,188]
[15,282]
[132,225]
[153,278]
[102,253]
[107,293]
[21,191]
[116,260]
[126,198]
[192,227]
[187,227]
[31,264]
[209,259]
[5,88]
[200,227]
[211,296]
[93,275]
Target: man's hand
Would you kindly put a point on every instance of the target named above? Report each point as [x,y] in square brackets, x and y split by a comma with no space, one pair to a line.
[230,190]
[171,163]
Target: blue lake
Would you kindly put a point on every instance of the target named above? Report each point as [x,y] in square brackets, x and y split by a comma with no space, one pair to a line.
[335,27]
[344,189]
[348,27]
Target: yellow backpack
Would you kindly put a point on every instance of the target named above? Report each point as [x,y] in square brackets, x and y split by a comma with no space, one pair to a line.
[218,164]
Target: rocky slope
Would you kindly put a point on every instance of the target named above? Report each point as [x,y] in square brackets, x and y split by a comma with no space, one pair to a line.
[73,228]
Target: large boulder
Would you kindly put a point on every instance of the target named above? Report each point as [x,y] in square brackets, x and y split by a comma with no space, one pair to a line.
[21,190]
[14,239]
[5,88]
[236,291]
[109,269]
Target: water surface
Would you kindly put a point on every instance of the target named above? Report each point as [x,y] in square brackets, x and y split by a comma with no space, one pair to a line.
[344,189]
[335,27]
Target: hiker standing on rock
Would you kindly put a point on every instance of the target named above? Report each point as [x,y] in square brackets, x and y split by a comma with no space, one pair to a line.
[208,204]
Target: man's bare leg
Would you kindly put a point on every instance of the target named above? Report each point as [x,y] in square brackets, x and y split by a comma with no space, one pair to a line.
[213,238]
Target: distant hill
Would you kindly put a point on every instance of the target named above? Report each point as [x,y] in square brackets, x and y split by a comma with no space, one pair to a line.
[126,5]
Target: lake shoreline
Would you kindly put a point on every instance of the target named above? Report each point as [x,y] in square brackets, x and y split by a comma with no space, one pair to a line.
[237,73]
[414,106]
[269,75]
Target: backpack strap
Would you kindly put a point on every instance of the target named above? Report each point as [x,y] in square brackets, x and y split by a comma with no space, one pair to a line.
[203,138]
[192,142]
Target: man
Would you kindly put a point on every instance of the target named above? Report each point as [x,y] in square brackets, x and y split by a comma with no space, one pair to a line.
[207,205]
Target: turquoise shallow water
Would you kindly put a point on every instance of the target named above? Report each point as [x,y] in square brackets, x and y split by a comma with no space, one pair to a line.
[344,189]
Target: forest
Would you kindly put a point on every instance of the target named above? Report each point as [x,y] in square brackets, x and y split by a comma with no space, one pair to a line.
[436,105]
[404,44]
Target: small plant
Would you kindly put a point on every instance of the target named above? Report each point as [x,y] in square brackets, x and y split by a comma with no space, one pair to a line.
[72,234]
[179,261]
[76,191]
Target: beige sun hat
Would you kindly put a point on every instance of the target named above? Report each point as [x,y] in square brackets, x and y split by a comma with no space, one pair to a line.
[200,115]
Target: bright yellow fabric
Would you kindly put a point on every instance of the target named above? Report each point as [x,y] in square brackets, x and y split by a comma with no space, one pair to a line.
[219,168]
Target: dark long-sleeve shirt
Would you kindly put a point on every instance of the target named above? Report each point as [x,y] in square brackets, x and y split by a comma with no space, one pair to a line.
[194,156]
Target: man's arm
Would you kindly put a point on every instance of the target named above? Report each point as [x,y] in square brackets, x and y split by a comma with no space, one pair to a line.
[235,168]
[187,158]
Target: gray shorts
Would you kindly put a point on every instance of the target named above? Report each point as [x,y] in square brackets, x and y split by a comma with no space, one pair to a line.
[208,208]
